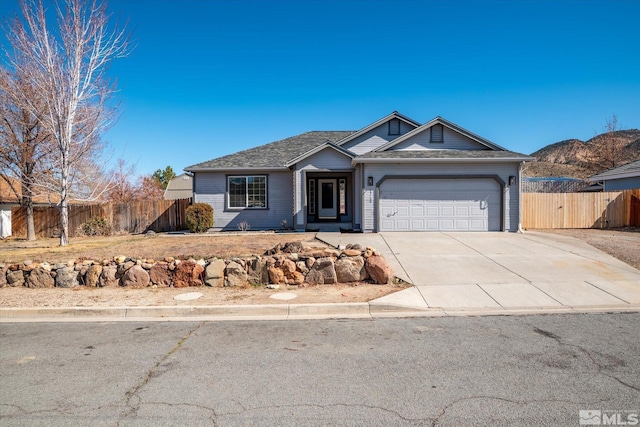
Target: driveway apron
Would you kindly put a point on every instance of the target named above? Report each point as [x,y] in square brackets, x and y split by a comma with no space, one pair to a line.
[533,270]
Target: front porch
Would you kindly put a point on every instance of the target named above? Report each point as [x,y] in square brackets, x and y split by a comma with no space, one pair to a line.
[328,201]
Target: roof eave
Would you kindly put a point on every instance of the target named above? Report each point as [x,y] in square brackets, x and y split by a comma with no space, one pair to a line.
[597,178]
[443,160]
[236,169]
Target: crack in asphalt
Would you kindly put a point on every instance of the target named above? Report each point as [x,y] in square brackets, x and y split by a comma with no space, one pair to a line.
[133,393]
[436,420]
[590,354]
[213,417]
[314,405]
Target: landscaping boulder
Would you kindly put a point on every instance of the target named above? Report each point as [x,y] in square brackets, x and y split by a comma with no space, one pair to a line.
[135,277]
[92,276]
[236,275]
[351,252]
[322,272]
[187,273]
[40,278]
[257,271]
[350,269]
[3,276]
[108,277]
[15,278]
[379,271]
[160,275]
[67,277]
[214,273]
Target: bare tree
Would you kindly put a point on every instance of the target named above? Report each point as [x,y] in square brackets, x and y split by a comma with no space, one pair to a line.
[25,146]
[67,64]
[607,149]
[122,189]
[149,188]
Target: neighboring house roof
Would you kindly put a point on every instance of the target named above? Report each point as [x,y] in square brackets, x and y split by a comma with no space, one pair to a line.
[443,155]
[9,197]
[630,170]
[179,187]
[274,155]
[450,125]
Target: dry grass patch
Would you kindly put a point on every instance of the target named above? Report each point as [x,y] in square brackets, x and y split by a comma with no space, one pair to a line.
[221,245]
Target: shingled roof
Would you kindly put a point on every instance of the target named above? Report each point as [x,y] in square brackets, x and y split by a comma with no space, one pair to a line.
[273,155]
[625,171]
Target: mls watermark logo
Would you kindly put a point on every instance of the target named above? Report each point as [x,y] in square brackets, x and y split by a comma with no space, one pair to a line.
[597,417]
[590,417]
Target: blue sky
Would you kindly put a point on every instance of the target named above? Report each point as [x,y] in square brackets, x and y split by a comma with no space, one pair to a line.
[208,78]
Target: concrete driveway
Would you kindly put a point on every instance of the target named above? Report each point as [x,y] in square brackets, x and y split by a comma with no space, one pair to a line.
[501,271]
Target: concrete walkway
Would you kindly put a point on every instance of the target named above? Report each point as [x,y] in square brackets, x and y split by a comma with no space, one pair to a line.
[500,272]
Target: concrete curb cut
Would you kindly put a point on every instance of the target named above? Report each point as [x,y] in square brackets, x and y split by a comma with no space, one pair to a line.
[274,312]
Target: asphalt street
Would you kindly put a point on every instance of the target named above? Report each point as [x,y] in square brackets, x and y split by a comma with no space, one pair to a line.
[531,370]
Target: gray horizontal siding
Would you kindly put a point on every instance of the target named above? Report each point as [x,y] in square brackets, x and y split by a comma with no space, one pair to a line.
[211,187]
[377,171]
[375,138]
[452,141]
[327,159]
[622,184]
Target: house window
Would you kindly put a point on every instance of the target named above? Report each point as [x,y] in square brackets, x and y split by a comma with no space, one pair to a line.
[394,127]
[247,192]
[437,132]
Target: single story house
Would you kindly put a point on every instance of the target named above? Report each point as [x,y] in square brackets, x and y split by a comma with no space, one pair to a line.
[625,177]
[392,175]
[179,187]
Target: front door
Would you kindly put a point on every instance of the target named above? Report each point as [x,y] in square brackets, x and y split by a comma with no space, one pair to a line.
[327,195]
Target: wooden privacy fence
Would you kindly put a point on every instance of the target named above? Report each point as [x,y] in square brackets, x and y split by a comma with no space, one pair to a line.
[135,217]
[581,210]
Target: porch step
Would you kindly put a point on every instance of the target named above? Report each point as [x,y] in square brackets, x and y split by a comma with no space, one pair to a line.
[331,226]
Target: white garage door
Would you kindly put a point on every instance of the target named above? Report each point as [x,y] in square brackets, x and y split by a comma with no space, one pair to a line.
[440,205]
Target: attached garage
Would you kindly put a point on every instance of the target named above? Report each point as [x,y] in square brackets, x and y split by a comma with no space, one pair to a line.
[440,204]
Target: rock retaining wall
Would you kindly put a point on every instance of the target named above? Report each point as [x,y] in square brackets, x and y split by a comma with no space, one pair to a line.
[290,264]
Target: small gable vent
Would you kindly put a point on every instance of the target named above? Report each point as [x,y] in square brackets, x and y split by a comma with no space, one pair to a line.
[437,133]
[394,127]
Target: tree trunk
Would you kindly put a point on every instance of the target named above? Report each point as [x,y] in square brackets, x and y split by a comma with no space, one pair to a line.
[64,208]
[31,228]
[64,223]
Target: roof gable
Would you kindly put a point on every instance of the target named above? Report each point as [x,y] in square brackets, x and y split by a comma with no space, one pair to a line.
[484,144]
[372,126]
[329,145]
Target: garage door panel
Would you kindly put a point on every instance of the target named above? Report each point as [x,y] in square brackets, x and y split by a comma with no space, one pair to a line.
[440,205]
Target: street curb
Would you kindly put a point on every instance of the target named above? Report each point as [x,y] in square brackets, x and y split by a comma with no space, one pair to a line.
[277,312]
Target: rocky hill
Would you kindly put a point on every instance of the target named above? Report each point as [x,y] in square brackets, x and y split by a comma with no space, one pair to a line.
[580,159]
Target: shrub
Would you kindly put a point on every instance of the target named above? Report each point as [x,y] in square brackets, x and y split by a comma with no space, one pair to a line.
[244,226]
[96,227]
[199,217]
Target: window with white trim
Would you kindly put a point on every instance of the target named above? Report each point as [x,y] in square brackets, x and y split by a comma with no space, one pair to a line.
[247,192]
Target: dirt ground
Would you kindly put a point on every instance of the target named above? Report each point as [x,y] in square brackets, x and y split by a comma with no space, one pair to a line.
[622,243]
[222,245]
